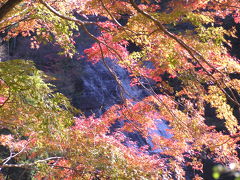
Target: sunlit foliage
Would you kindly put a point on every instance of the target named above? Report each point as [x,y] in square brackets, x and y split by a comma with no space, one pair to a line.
[64,147]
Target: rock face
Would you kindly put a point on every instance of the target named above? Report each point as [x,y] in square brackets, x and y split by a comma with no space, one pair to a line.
[99,90]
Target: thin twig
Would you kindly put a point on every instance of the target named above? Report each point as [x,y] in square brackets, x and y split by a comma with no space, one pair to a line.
[27,165]
[113,74]
[6,160]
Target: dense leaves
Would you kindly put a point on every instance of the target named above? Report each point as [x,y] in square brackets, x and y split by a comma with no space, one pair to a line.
[64,147]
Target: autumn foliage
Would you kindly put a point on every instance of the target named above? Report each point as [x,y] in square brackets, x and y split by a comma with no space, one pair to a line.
[59,143]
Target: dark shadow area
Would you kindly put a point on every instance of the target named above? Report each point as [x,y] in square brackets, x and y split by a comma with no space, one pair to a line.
[229,23]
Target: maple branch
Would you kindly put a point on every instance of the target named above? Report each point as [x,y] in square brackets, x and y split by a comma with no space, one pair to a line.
[118,23]
[193,52]
[7,7]
[27,17]
[189,49]
[82,24]
[24,19]
[179,121]
[27,165]
[113,74]
[63,16]
[110,14]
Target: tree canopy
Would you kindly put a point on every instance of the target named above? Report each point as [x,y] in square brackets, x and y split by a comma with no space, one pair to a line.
[183,39]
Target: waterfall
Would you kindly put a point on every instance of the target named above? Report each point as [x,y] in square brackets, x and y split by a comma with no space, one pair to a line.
[90,87]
